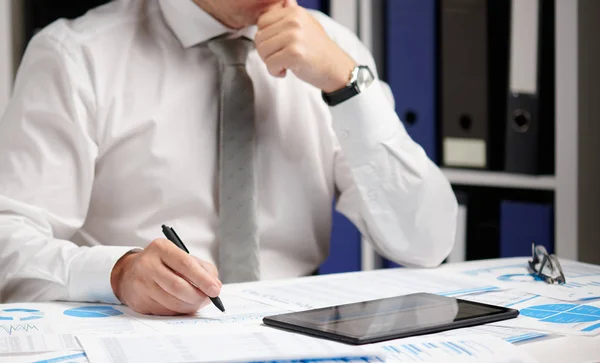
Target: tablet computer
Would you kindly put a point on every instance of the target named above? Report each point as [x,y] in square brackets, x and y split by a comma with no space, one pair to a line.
[390,318]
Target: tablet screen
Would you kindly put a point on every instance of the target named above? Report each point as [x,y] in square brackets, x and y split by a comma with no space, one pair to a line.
[387,317]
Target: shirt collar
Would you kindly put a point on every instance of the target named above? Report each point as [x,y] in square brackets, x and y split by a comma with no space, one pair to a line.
[192,25]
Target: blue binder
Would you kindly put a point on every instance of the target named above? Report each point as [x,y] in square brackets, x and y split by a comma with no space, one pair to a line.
[345,247]
[521,223]
[411,71]
[411,67]
[311,4]
[345,242]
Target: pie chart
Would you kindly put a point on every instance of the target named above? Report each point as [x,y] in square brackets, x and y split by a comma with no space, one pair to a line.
[99,311]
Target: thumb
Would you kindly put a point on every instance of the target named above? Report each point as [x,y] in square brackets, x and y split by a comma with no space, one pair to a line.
[289,3]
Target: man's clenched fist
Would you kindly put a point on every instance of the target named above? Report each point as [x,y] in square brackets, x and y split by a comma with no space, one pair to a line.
[164,280]
[291,38]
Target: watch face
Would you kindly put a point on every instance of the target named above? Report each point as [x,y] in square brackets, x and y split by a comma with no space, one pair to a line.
[365,78]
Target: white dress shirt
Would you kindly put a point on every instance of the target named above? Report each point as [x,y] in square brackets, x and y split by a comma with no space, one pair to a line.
[112,131]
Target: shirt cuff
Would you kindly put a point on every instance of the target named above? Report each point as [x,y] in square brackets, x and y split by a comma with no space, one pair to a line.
[363,122]
[89,275]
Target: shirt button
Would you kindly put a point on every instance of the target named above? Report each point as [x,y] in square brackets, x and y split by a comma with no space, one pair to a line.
[344,134]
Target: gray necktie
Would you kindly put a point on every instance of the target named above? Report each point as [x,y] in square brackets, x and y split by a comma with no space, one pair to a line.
[238,238]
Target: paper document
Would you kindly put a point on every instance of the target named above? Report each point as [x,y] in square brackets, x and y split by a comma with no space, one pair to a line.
[454,350]
[240,312]
[267,345]
[37,343]
[66,318]
[506,298]
[583,280]
[542,313]
[322,291]
[508,334]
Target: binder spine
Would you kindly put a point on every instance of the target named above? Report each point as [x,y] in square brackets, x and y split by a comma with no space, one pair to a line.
[411,68]
[464,85]
[522,223]
[530,113]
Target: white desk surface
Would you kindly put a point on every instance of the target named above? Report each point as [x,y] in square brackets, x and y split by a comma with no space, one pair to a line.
[559,349]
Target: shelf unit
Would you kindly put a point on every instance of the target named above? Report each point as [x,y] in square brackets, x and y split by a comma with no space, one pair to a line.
[499,179]
[576,183]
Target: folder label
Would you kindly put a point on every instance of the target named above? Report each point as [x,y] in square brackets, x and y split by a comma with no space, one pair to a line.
[464,152]
[524,46]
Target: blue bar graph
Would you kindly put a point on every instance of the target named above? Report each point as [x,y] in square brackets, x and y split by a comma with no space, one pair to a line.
[440,349]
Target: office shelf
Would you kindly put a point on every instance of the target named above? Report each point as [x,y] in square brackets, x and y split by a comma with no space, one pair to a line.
[499,179]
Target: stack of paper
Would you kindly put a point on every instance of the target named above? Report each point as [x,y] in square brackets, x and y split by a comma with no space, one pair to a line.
[256,346]
[276,346]
[115,333]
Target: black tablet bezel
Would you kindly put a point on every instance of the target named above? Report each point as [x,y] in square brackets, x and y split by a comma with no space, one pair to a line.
[283,321]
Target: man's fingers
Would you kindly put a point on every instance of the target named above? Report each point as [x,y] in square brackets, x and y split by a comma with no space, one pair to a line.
[267,33]
[212,269]
[278,63]
[187,266]
[274,44]
[177,286]
[169,301]
[271,17]
[155,308]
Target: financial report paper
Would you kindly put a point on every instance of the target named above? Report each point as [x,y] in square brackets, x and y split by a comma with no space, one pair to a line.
[582,279]
[265,345]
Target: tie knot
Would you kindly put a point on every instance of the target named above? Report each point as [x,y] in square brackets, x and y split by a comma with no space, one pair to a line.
[231,51]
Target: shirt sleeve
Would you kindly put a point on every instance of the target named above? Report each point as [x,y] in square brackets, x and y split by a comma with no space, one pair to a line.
[47,161]
[389,188]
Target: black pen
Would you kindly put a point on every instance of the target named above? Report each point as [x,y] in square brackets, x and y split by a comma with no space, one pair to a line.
[173,237]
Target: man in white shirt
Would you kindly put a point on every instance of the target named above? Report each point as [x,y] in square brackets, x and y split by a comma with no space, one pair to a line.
[113,130]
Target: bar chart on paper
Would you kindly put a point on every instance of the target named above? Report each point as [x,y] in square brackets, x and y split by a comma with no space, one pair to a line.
[456,349]
[544,314]
[18,314]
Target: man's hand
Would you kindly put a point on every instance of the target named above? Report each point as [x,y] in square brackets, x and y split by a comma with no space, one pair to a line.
[291,38]
[164,280]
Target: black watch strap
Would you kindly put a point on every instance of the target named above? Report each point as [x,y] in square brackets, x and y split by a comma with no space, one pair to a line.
[341,95]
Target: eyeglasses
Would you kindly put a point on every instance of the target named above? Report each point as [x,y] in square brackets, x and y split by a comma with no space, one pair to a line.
[546,266]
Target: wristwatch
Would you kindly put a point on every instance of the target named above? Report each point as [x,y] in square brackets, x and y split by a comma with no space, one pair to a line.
[360,79]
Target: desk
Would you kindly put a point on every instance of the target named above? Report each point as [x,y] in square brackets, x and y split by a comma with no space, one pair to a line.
[247,303]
